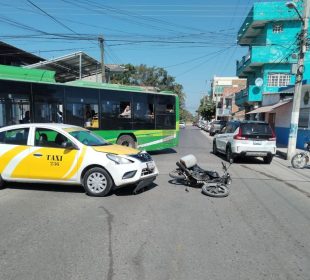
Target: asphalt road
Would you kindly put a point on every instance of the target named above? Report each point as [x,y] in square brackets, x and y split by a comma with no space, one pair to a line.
[260,231]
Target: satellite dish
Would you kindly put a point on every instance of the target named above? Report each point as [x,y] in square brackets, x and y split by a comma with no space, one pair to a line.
[259,82]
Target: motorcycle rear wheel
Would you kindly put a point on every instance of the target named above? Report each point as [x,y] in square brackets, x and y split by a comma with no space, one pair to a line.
[300,160]
[177,174]
[215,190]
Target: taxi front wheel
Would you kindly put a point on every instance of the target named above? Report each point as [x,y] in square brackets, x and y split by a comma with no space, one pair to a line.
[97,182]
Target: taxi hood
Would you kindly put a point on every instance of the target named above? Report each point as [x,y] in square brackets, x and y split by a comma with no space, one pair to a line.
[116,149]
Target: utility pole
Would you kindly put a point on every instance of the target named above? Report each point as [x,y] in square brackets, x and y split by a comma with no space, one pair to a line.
[101,41]
[291,149]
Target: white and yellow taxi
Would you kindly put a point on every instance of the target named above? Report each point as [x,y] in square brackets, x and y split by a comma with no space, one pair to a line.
[60,153]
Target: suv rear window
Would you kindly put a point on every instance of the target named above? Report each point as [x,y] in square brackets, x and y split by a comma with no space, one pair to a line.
[256,129]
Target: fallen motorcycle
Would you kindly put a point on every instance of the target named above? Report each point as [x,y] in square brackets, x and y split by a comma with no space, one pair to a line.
[211,183]
[300,160]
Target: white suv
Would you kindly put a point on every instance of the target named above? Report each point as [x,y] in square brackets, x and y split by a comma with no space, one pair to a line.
[246,139]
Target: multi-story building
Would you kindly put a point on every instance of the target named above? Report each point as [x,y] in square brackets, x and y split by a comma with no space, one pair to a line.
[271,32]
[223,90]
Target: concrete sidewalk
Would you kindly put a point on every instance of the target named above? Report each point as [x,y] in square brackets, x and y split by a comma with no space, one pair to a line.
[282,151]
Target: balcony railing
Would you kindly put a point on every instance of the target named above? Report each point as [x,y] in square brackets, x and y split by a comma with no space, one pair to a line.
[244,60]
[251,94]
[260,55]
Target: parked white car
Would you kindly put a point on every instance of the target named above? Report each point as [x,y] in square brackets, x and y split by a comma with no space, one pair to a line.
[182,125]
[60,153]
[246,139]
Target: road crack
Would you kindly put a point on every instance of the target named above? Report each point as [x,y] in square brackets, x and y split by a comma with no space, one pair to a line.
[111,258]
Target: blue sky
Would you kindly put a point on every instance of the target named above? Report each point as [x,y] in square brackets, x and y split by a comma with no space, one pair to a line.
[193,40]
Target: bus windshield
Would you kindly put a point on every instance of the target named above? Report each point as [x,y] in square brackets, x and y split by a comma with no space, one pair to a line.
[88,138]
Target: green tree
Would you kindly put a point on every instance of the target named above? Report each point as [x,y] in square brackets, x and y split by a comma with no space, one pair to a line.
[206,108]
[186,115]
[156,77]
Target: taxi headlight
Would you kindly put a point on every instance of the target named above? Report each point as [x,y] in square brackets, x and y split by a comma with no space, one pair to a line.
[118,159]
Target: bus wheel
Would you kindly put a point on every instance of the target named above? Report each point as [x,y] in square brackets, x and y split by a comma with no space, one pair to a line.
[127,140]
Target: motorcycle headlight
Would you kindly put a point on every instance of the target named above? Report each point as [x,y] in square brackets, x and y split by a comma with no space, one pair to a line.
[118,159]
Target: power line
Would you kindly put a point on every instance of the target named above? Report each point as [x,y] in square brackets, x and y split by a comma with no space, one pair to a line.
[50,16]
[194,59]
[200,64]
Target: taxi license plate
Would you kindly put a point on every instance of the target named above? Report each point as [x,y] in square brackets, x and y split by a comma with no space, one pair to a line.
[257,142]
[150,165]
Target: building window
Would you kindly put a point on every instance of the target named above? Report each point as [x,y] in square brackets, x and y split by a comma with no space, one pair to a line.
[277,28]
[278,79]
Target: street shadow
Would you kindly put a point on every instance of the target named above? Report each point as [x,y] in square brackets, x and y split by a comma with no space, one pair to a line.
[176,182]
[306,167]
[129,190]
[242,160]
[123,191]
[44,187]
[163,152]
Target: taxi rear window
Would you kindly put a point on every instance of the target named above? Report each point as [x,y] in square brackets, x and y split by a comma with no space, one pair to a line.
[15,136]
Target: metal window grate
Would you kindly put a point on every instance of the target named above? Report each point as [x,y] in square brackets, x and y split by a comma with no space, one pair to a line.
[278,79]
[277,28]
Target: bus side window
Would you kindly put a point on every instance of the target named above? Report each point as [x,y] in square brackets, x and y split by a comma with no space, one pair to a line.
[165,112]
[125,109]
[116,110]
[143,111]
[91,116]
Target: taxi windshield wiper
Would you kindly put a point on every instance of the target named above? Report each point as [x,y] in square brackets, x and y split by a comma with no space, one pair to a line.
[102,144]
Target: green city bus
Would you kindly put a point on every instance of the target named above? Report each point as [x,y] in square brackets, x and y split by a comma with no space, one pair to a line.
[127,115]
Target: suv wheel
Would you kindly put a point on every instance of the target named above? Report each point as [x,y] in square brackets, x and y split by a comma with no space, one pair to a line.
[229,156]
[268,159]
[214,148]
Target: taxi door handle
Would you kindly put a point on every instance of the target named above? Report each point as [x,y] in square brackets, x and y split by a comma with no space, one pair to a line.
[37,155]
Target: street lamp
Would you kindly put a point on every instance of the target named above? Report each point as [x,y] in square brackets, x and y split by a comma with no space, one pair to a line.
[292,5]
[292,139]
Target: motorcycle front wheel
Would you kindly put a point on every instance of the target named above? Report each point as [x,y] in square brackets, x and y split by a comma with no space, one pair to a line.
[300,160]
[177,174]
[215,190]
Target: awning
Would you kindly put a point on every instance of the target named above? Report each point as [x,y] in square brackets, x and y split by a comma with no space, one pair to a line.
[270,108]
[74,66]
[239,113]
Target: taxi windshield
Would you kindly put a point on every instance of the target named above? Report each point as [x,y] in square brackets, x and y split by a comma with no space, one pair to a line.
[88,138]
